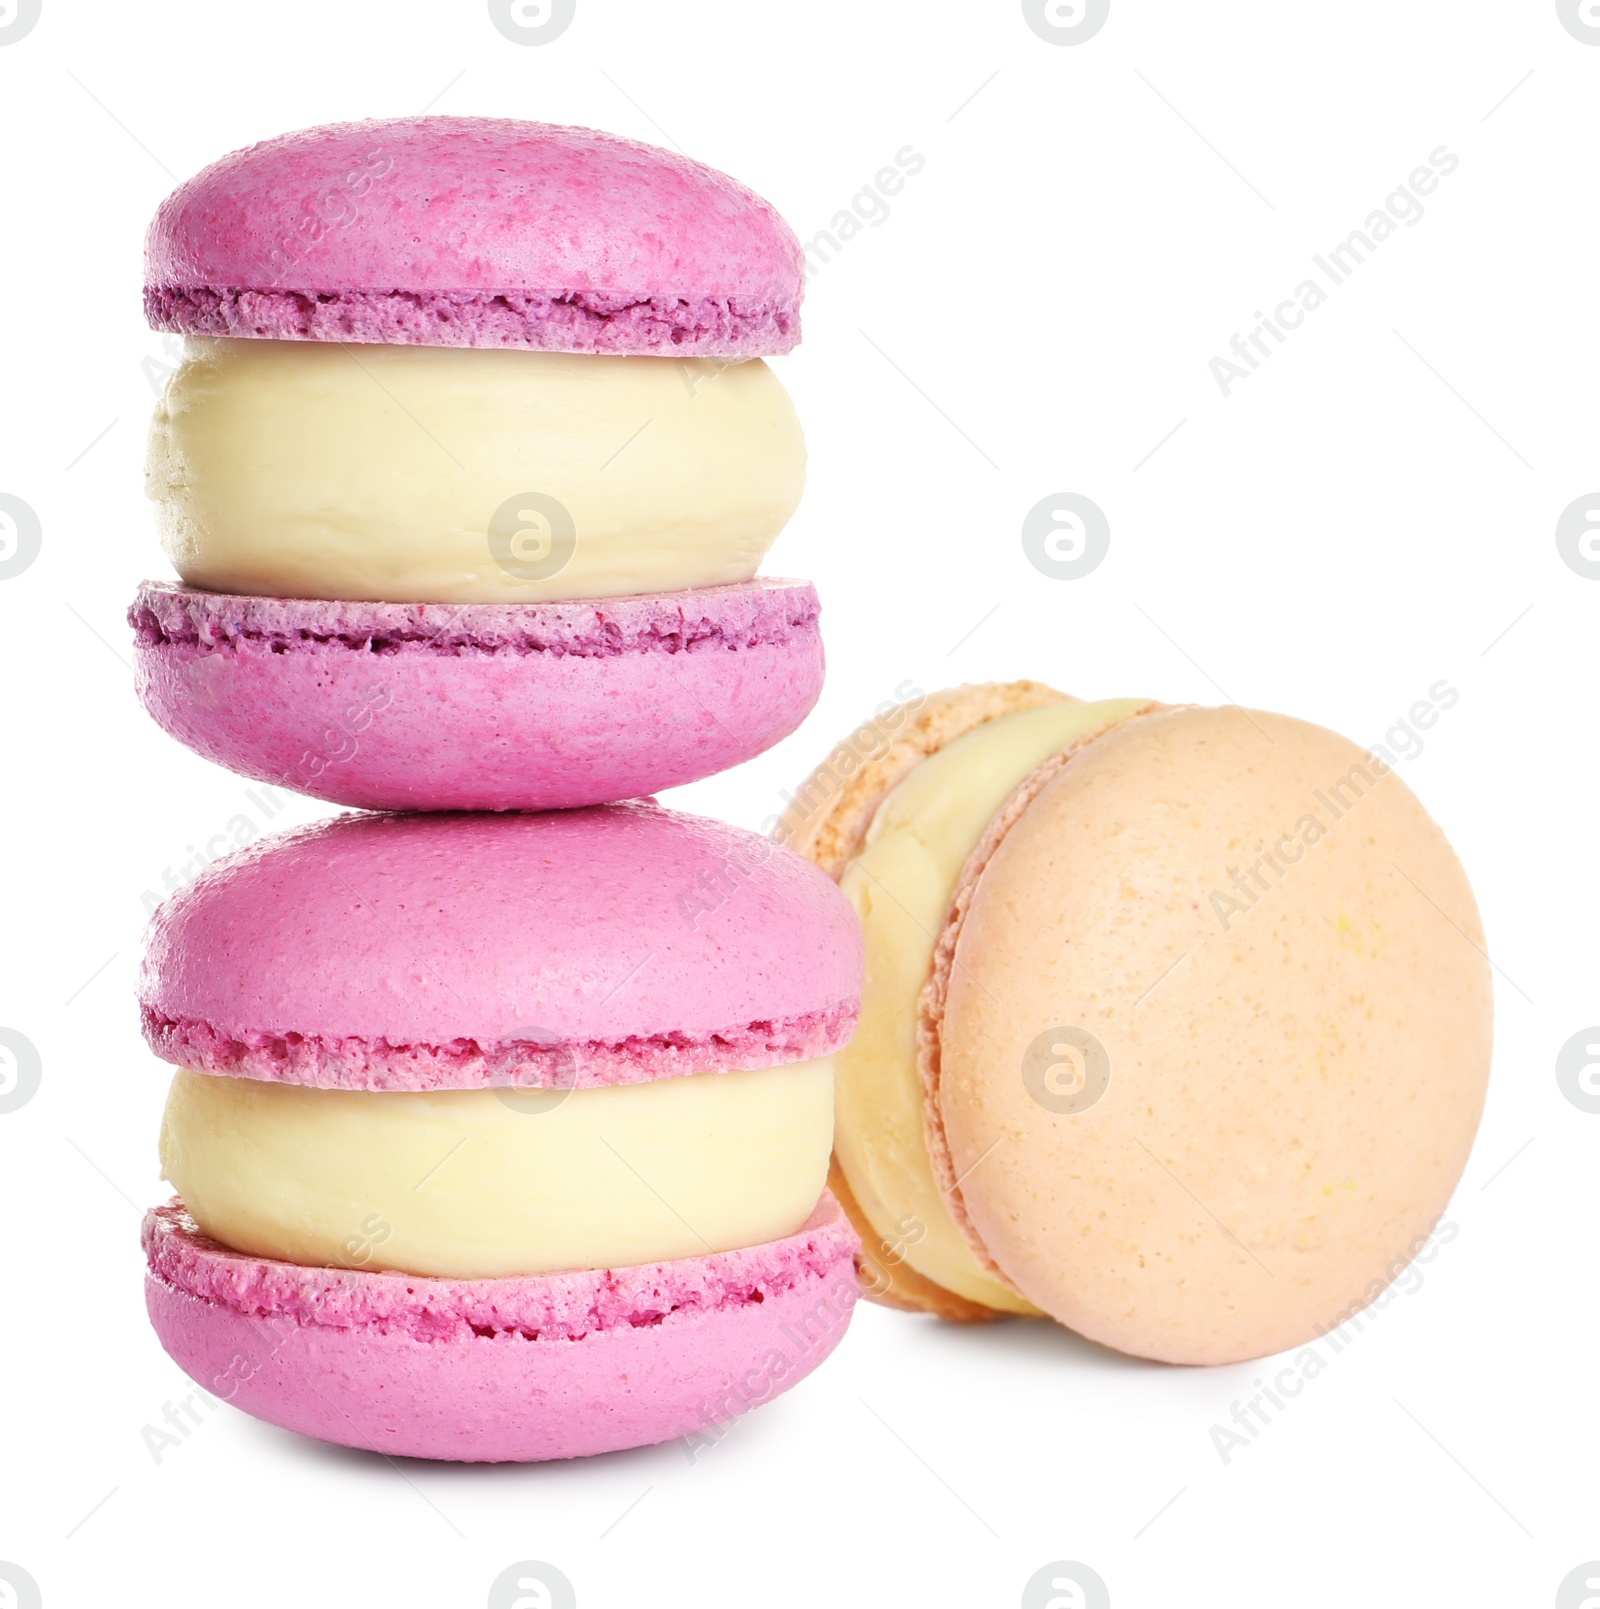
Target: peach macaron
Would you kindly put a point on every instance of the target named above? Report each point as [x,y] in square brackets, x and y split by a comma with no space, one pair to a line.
[1176,1025]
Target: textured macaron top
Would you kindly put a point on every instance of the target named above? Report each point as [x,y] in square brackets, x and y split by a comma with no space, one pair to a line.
[474,231]
[580,948]
[1266,963]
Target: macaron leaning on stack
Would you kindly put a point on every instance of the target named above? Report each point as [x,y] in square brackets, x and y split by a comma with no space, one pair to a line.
[497,1135]
[1176,1024]
[469,466]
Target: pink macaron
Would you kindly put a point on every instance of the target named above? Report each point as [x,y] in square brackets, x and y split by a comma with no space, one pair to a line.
[390,954]
[486,680]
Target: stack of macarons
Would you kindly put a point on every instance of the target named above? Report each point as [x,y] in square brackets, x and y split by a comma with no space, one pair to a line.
[496,1136]
[1176,1025]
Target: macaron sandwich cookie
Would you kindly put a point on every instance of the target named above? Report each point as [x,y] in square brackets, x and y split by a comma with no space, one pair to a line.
[491,1146]
[1176,1024]
[469,466]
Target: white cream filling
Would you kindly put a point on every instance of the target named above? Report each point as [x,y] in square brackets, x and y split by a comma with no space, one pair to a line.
[404,474]
[901,885]
[482,1183]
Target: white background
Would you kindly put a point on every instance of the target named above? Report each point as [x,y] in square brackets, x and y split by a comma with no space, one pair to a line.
[1373,511]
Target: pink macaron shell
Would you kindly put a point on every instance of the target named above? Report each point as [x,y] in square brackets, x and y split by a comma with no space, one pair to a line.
[482,706]
[569,949]
[474,231]
[517,1369]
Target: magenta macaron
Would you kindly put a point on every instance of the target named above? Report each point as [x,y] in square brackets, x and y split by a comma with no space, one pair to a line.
[394,953]
[504,237]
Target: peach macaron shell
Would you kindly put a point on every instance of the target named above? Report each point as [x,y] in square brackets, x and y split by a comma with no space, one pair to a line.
[1294,1083]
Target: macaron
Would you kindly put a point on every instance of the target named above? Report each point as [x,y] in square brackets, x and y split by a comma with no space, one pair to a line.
[469,466]
[501,1137]
[1176,1025]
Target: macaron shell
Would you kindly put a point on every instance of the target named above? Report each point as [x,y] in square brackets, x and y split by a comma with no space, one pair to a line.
[574,949]
[1292,1095]
[501,1370]
[474,231]
[480,707]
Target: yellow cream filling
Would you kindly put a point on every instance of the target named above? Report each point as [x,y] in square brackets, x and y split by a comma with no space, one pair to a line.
[403,474]
[901,885]
[482,1183]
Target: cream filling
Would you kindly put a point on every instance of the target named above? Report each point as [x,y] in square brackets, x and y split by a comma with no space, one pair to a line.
[901,885]
[407,474]
[474,1184]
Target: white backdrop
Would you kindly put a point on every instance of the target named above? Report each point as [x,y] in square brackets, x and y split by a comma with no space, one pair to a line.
[1034,311]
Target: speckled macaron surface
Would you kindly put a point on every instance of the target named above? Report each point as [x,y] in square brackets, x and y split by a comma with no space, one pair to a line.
[570,949]
[480,706]
[1213,1009]
[558,1366]
[474,231]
